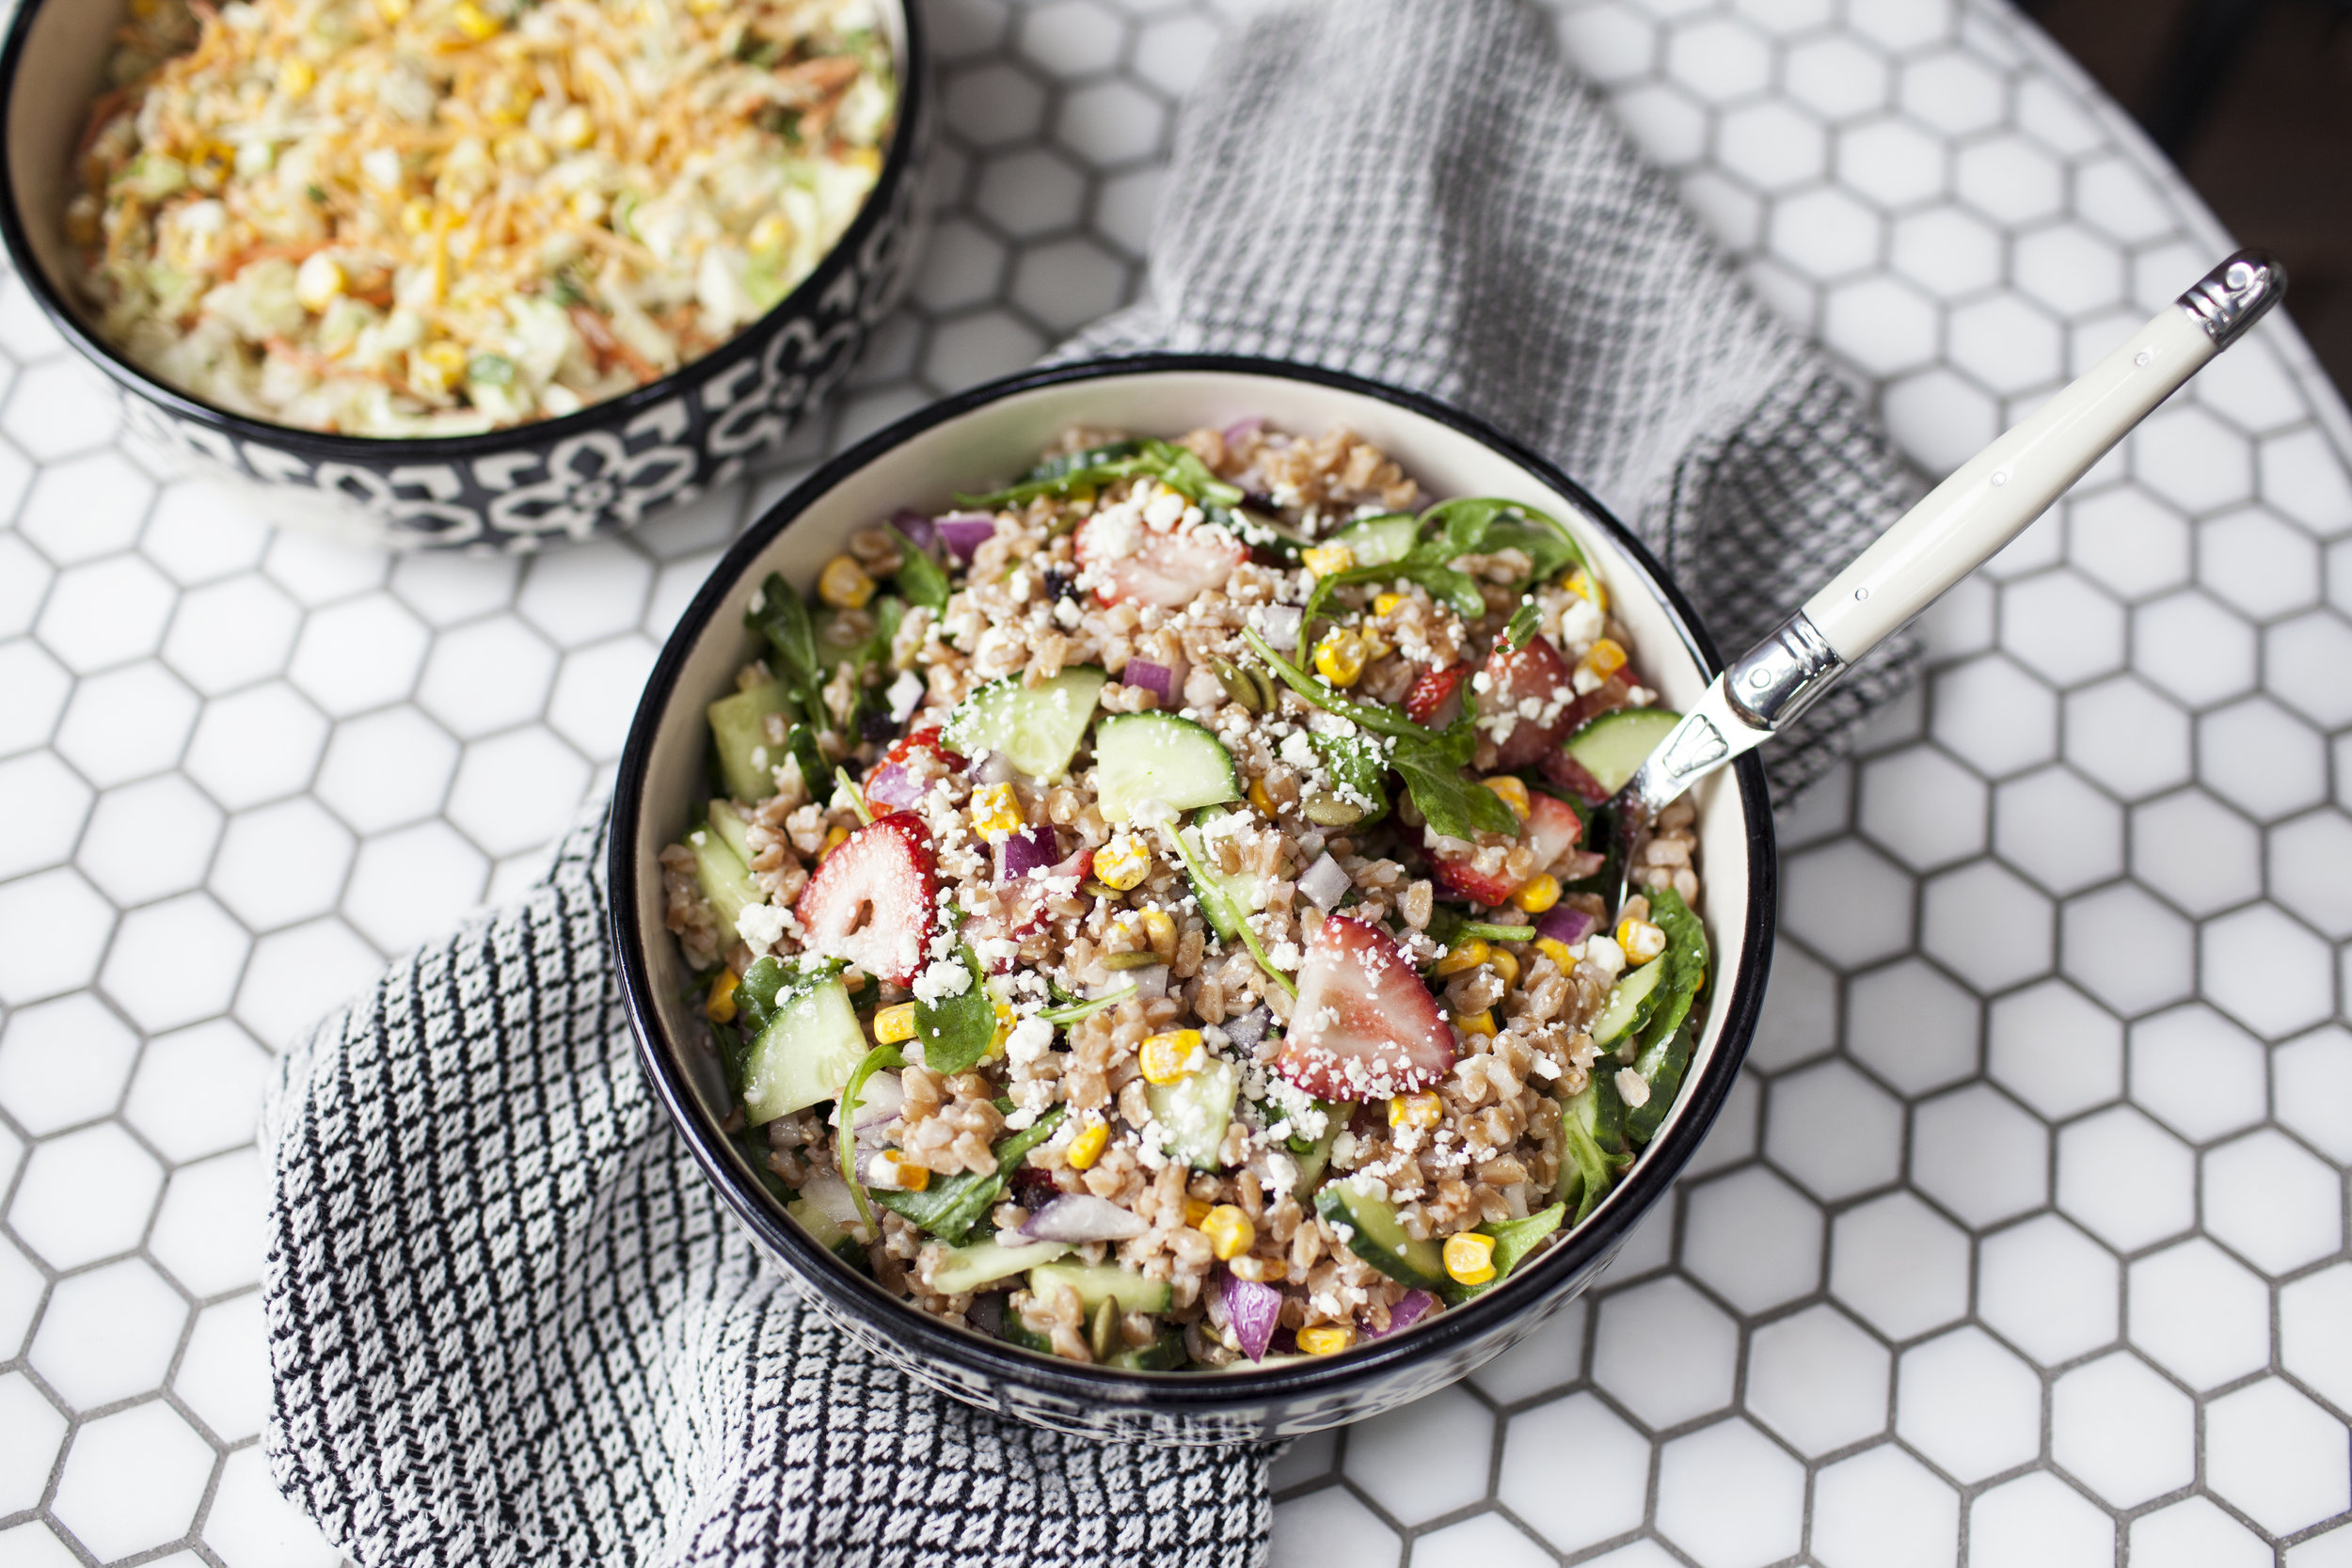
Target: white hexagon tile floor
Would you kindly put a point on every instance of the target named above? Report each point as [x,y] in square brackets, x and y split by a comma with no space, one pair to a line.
[2023,1239]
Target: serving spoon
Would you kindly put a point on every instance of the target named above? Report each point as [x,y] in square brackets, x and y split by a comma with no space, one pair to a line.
[1963,523]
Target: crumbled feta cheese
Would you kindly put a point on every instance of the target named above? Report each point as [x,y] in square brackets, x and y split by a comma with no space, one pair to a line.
[942,978]
[761,926]
[1633,1089]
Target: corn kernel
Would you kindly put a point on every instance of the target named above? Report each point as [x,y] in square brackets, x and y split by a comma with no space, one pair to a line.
[896,1171]
[1585,586]
[473,21]
[1388,604]
[1229,1230]
[318,282]
[1196,1212]
[1326,1340]
[1469,1258]
[1340,658]
[1159,930]
[1462,955]
[996,812]
[1504,965]
[416,216]
[1603,658]
[720,1006]
[1260,798]
[1422,1110]
[1328,560]
[1537,894]
[1169,1057]
[1122,862]
[1476,1023]
[296,77]
[1006,1019]
[1512,793]
[895,1023]
[575,128]
[844,584]
[393,10]
[1557,951]
[1641,940]
[772,233]
[834,840]
[1087,1146]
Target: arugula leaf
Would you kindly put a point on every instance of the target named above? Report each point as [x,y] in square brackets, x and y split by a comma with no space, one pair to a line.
[1468,525]
[783,618]
[1523,626]
[848,786]
[1358,767]
[1173,465]
[1513,1241]
[845,1150]
[1076,462]
[1548,548]
[949,1209]
[923,581]
[957,1031]
[1205,886]
[1487,931]
[1458,591]
[1086,1007]
[1372,717]
[1665,1051]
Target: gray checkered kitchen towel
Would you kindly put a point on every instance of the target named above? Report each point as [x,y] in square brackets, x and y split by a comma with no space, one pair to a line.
[508,1321]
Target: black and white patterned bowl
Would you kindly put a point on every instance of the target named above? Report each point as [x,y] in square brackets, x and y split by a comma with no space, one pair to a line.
[986,433]
[607,467]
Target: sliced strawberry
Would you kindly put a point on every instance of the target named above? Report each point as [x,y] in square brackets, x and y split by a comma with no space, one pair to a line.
[924,740]
[873,900]
[1609,696]
[1525,703]
[1570,775]
[1552,829]
[1435,699]
[1468,881]
[1126,562]
[1364,1026]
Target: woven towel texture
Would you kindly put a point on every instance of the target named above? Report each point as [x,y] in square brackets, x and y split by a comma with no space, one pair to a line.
[510,1324]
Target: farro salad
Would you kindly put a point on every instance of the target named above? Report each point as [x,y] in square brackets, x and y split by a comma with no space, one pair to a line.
[1154,913]
[438,217]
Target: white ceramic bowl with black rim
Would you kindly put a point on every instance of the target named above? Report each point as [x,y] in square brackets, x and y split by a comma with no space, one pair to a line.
[978,438]
[605,469]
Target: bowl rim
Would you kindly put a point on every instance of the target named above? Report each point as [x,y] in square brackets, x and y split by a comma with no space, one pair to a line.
[914,105]
[1171,1393]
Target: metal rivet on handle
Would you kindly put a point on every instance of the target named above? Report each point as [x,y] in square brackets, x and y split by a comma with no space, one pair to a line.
[1861,593]
[2000,479]
[2144,356]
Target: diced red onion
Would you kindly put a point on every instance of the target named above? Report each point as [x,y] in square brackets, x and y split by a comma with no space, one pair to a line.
[1325,883]
[1151,984]
[877,1102]
[994,767]
[1158,679]
[964,532]
[1253,1310]
[1580,863]
[1080,1217]
[1241,430]
[1562,924]
[892,786]
[1278,624]
[1248,1029]
[920,531]
[1409,1309]
[1022,853]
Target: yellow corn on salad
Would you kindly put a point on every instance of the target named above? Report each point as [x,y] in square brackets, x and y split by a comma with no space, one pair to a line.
[437,217]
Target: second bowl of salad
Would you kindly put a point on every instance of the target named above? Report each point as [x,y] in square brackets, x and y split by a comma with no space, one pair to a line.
[1116,881]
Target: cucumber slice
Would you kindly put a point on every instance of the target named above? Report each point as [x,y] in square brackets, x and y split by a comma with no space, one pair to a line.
[1313,1163]
[1379,1239]
[1629,1002]
[1162,1354]
[1192,1112]
[739,726]
[727,882]
[1162,758]
[830,1236]
[967,1268]
[1226,902]
[733,827]
[1610,747]
[1377,541]
[805,1055]
[1037,728]
[1097,1283]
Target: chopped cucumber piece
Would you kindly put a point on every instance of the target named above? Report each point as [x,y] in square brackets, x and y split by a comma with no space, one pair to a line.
[1097,1283]
[1377,1237]
[968,1268]
[1610,747]
[727,882]
[1318,1156]
[805,1055]
[1226,901]
[1162,1354]
[1037,728]
[828,1234]
[1192,1112]
[1377,541]
[1163,759]
[739,726]
[1629,1002]
[733,827]
[1592,1127]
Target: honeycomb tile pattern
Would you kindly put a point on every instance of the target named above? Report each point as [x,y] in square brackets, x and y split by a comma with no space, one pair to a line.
[2025,1226]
